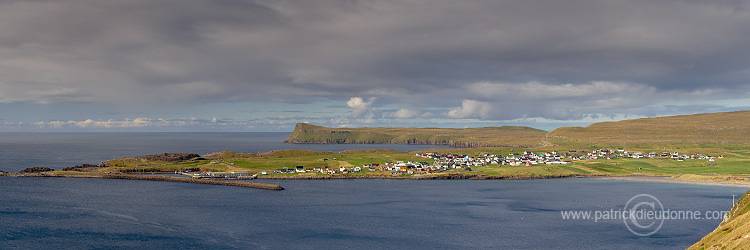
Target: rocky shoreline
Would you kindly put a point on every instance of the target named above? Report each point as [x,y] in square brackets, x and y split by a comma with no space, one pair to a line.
[152,178]
[461,176]
[456,176]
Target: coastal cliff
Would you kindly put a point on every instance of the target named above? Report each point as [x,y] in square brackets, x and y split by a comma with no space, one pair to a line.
[710,128]
[733,232]
[507,136]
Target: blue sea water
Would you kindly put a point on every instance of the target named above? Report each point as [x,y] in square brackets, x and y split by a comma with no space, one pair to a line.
[59,150]
[365,213]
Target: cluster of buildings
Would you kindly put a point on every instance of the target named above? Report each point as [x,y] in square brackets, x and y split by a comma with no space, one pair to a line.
[412,167]
[222,175]
[447,161]
[622,153]
[409,167]
[527,158]
[324,170]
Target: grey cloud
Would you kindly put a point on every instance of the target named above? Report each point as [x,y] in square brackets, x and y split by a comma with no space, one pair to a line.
[423,54]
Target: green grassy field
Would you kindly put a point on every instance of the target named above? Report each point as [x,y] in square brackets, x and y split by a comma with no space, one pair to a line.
[718,134]
[735,162]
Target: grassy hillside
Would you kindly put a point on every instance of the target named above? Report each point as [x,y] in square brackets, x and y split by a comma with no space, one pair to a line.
[733,232]
[730,128]
[509,136]
[731,168]
[714,128]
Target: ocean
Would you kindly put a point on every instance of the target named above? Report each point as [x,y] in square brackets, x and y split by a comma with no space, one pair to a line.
[59,150]
[312,214]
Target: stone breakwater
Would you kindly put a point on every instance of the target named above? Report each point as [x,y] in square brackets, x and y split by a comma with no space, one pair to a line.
[191,180]
[152,178]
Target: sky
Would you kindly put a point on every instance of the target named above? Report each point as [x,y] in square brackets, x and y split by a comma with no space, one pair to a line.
[265,65]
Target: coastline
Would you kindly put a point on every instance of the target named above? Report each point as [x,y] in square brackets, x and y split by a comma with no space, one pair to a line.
[670,179]
[152,178]
[456,176]
[637,178]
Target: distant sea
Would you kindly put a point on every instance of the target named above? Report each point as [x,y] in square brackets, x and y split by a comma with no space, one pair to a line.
[342,214]
[59,150]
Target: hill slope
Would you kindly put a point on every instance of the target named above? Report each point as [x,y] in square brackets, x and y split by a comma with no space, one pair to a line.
[728,127]
[507,136]
[733,232]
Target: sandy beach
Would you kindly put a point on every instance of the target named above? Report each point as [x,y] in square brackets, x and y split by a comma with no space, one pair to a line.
[667,179]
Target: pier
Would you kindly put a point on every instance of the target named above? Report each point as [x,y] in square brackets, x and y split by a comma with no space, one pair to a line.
[190,180]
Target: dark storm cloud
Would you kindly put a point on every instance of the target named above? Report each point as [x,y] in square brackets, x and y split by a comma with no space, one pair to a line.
[473,59]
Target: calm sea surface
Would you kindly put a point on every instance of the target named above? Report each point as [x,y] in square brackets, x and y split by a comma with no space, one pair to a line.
[353,214]
[59,150]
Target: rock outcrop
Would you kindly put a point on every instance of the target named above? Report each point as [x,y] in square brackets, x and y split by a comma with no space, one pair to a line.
[169,157]
[86,167]
[37,170]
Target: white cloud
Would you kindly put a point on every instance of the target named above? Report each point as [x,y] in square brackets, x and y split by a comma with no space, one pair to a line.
[405,114]
[359,106]
[471,109]
[124,123]
[154,123]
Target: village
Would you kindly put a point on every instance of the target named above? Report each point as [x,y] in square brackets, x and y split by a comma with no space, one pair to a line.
[449,161]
